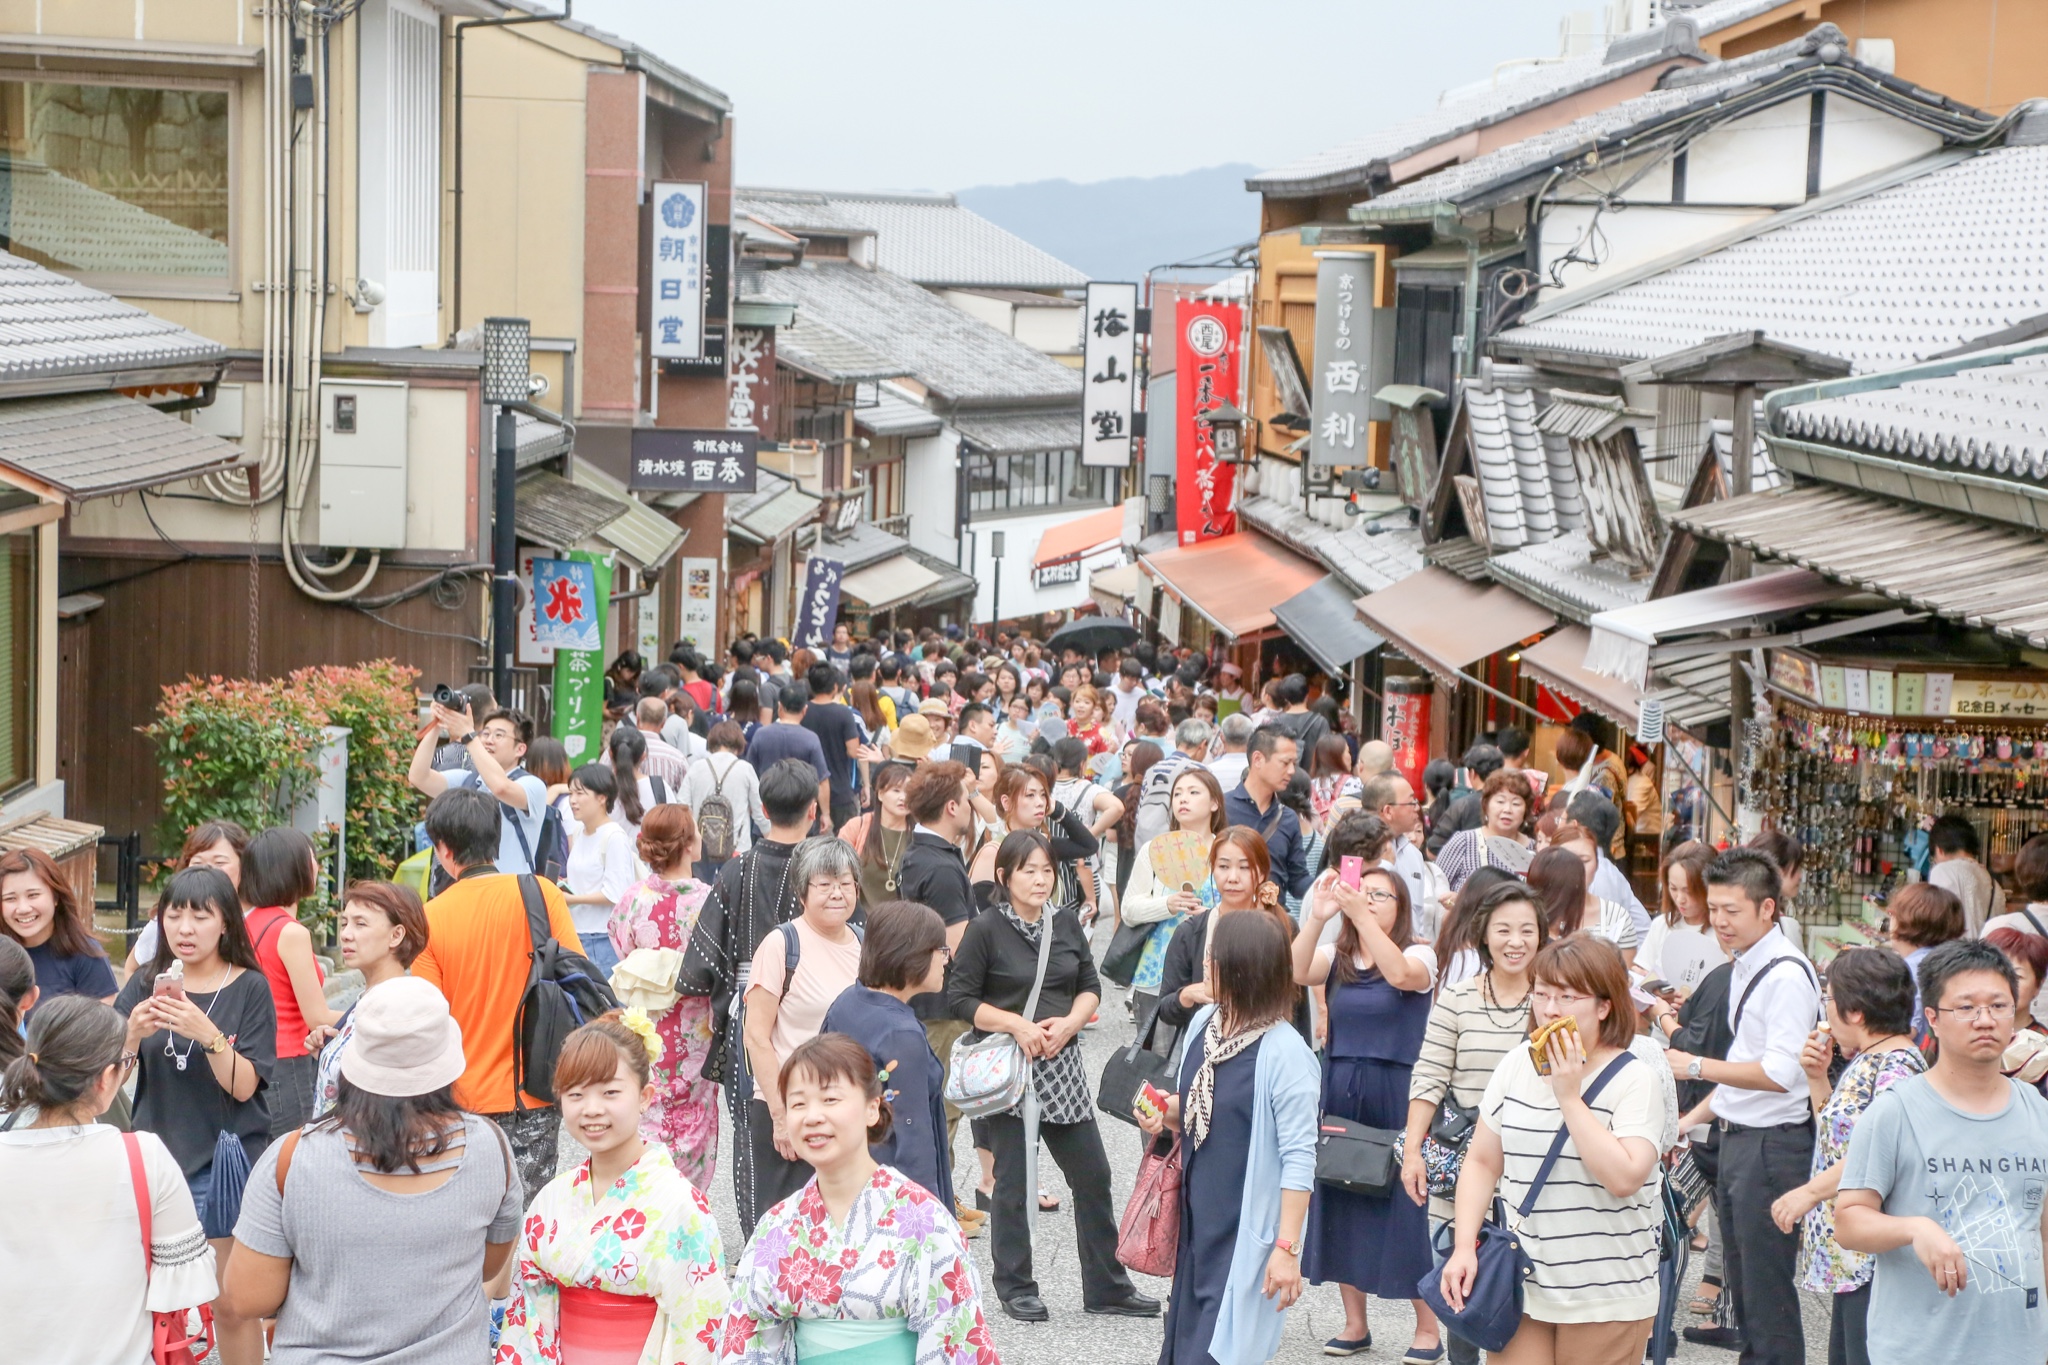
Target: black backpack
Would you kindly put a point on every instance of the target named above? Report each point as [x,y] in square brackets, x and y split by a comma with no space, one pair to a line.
[564,991]
[551,859]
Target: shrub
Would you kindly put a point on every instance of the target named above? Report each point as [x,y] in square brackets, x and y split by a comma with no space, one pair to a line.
[375,701]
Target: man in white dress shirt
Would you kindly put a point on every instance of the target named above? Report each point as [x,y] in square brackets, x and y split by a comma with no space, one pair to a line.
[1391,798]
[1759,1101]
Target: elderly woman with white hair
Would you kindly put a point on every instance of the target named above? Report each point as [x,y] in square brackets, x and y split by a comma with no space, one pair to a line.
[797,973]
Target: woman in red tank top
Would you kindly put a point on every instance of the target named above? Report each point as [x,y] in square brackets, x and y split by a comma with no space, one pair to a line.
[280,869]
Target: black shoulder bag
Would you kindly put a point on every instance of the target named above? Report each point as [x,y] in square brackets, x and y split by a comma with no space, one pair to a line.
[1131,1070]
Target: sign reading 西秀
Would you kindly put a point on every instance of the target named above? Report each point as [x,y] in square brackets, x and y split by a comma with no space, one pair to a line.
[681,460]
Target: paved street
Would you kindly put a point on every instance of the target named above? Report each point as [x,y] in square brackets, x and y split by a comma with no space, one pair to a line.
[1074,1336]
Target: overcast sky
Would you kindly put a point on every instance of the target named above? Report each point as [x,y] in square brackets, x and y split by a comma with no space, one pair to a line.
[943,94]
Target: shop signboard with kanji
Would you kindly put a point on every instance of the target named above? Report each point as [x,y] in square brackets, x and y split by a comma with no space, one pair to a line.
[1343,371]
[1109,357]
[817,611]
[676,268]
[566,609]
[1210,337]
[682,460]
[579,668]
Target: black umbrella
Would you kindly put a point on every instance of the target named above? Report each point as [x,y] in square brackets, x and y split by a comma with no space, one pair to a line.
[1093,634]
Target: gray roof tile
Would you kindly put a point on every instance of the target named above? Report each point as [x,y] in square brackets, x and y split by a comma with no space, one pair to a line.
[893,414]
[1366,562]
[929,238]
[51,326]
[1763,470]
[1526,478]
[956,356]
[1955,251]
[1019,433]
[90,444]
[1992,419]
[1562,574]
[864,544]
[828,354]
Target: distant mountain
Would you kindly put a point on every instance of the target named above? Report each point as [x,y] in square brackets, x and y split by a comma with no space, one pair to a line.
[1118,229]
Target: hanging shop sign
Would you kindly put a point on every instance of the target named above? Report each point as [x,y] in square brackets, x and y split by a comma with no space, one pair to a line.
[818,609]
[750,393]
[676,271]
[1109,359]
[1404,725]
[531,651]
[681,460]
[1862,691]
[567,608]
[1343,386]
[579,673]
[1206,377]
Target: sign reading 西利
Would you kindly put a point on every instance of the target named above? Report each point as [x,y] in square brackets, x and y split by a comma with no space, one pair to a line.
[566,608]
[1206,369]
[1109,358]
[676,269]
[680,460]
[817,611]
[1342,379]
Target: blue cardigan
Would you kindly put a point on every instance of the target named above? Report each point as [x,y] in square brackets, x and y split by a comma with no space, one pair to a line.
[891,1032]
[1286,1099]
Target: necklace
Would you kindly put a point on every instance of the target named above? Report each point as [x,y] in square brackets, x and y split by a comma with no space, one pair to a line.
[1489,1002]
[171,1038]
[894,860]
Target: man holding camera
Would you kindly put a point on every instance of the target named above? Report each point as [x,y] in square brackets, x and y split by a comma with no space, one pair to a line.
[495,749]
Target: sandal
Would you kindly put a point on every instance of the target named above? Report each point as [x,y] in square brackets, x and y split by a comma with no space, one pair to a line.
[1706,1305]
[1047,1203]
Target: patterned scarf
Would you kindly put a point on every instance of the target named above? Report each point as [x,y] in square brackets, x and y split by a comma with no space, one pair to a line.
[1216,1050]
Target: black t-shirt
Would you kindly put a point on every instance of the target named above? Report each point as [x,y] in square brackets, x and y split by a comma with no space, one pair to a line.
[933,873]
[78,974]
[188,1108]
[834,723]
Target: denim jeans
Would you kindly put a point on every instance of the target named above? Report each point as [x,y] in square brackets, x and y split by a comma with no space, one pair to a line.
[598,948]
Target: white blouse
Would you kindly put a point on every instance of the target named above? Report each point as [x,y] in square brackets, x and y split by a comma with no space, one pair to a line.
[602,861]
[72,1280]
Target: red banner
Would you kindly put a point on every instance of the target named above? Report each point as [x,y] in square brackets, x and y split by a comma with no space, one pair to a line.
[1404,725]
[1205,376]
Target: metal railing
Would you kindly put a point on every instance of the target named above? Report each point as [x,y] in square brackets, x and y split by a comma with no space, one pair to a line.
[895,526]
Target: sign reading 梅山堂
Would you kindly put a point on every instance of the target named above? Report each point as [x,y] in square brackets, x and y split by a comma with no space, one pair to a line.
[1342,378]
[1109,357]
[681,460]
[817,611]
[676,269]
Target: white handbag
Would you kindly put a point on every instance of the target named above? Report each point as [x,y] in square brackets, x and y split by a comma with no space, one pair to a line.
[992,1074]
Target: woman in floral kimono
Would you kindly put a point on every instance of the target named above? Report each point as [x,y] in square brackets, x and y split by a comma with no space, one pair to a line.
[619,1256]
[660,911]
[861,1267]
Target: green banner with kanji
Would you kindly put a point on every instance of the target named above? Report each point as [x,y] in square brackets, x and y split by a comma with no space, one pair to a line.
[579,678]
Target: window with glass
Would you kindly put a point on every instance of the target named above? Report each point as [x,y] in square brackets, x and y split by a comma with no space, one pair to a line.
[1037,481]
[1425,320]
[18,638]
[116,181]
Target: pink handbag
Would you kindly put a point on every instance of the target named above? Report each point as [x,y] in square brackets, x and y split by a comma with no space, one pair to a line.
[1149,1237]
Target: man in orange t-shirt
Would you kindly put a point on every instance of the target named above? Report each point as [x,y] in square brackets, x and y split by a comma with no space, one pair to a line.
[480,954]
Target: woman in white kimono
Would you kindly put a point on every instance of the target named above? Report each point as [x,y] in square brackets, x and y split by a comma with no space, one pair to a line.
[862,1266]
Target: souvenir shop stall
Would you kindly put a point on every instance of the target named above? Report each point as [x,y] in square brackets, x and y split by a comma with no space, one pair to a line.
[1860,754]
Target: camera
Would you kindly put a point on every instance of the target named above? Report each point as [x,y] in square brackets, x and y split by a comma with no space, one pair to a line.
[444,695]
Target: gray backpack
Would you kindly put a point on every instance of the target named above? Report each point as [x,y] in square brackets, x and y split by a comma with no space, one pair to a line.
[716,832]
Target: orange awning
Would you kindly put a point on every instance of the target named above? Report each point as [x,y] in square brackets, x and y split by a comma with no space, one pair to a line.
[1072,539]
[1444,623]
[1234,581]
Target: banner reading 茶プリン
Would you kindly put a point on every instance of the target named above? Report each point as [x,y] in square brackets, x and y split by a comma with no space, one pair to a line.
[579,674]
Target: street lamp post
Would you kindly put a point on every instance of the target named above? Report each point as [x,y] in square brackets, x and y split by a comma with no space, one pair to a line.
[995,600]
[507,366]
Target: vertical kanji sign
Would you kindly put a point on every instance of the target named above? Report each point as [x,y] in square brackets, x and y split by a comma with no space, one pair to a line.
[818,610]
[1342,382]
[1109,356]
[676,271]
[579,673]
[1205,371]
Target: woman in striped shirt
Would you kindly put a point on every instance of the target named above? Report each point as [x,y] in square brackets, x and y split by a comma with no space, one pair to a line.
[1563,874]
[1591,1235]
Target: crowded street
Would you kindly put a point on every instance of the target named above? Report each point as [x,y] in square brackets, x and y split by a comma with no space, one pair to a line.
[945,685]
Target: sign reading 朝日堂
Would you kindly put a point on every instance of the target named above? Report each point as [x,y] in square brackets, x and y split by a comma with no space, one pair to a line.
[1206,378]
[676,271]
[680,460]
[1109,356]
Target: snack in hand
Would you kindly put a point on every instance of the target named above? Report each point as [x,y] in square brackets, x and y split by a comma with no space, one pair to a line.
[1539,1041]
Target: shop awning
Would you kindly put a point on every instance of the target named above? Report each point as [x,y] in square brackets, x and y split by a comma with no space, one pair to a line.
[1321,619]
[1445,623]
[952,585]
[1073,539]
[550,510]
[1558,662]
[88,445]
[774,509]
[890,583]
[1116,585]
[643,535]
[1981,573]
[1233,581]
[1622,638]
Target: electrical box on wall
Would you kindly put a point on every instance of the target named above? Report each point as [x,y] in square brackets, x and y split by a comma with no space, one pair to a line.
[362,463]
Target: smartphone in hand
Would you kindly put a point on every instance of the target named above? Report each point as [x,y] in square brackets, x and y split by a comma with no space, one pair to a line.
[1350,871]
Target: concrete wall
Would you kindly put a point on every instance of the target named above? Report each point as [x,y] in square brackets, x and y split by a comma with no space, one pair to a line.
[1020,597]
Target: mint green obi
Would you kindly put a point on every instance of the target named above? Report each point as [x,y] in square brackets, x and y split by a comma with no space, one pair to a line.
[842,1341]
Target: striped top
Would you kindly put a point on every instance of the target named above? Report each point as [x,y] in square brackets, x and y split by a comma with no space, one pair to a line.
[1466,1039]
[1595,1256]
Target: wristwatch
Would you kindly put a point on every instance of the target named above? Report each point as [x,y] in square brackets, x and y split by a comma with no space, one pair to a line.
[1291,1248]
[219,1043]
[1692,1069]
[467,738]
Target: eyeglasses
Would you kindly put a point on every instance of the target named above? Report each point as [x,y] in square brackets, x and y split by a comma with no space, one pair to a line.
[1558,999]
[1998,1013]
[1378,896]
[129,1061]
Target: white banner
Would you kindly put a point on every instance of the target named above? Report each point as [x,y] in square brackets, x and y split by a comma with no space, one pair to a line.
[699,616]
[1109,359]
[676,269]
[531,652]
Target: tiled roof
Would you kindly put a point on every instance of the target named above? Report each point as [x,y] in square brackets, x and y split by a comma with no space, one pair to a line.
[1526,479]
[1954,251]
[1019,433]
[1990,418]
[1461,555]
[1352,165]
[87,445]
[893,414]
[1763,470]
[928,238]
[1562,575]
[864,544]
[1366,562]
[91,231]
[828,354]
[51,326]
[550,510]
[954,355]
[775,507]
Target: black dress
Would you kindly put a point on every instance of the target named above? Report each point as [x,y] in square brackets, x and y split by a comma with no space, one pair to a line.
[1211,1197]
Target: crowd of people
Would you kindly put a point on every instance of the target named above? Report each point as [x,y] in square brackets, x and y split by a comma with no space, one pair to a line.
[1429,1046]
